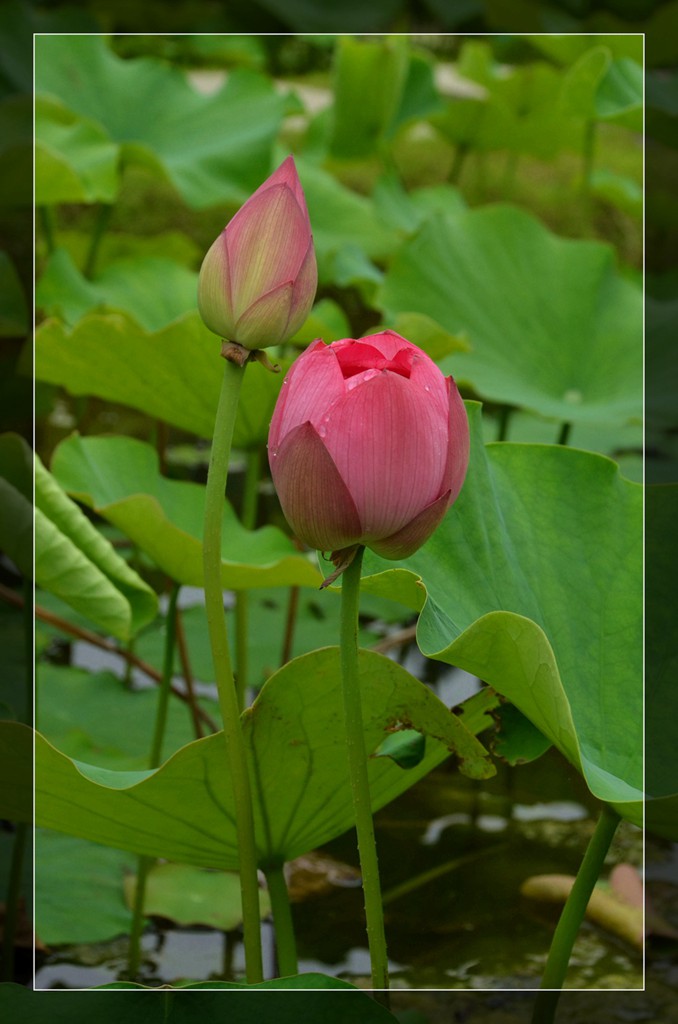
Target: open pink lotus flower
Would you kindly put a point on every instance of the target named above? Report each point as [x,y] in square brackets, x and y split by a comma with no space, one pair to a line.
[369,444]
[258,280]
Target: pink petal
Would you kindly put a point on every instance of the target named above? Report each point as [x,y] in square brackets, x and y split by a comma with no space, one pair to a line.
[390,448]
[267,244]
[355,357]
[303,296]
[314,382]
[214,289]
[388,343]
[314,498]
[424,374]
[265,321]
[406,541]
[286,174]
[459,444]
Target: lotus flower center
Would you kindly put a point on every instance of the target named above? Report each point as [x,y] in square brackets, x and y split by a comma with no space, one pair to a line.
[357,359]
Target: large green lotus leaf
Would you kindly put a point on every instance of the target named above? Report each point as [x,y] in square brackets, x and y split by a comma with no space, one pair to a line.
[406,211]
[553,326]
[75,159]
[316,619]
[369,78]
[307,981]
[72,559]
[79,889]
[95,717]
[212,148]
[297,746]
[342,218]
[521,111]
[600,88]
[152,290]
[119,478]
[173,374]
[189,895]
[534,583]
[619,97]
[21,1004]
[619,190]
[170,245]
[612,441]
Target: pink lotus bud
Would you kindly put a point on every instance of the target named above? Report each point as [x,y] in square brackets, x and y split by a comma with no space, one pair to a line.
[258,280]
[369,444]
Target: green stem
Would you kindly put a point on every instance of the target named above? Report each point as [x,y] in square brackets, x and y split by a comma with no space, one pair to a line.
[47,222]
[564,433]
[248,517]
[282,919]
[100,224]
[144,864]
[187,672]
[228,701]
[572,917]
[290,623]
[504,419]
[357,763]
[460,154]
[165,686]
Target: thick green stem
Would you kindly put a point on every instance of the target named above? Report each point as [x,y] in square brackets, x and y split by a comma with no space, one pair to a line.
[572,917]
[282,919]
[357,763]
[100,224]
[144,864]
[228,701]
[248,517]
